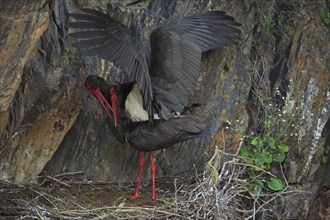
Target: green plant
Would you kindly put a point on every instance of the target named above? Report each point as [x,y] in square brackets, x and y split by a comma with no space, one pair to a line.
[65,57]
[262,151]
[287,29]
[325,17]
[247,4]
[283,24]
[325,154]
[275,184]
[267,26]
[255,187]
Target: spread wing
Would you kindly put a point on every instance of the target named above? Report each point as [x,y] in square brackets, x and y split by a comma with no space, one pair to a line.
[176,56]
[109,39]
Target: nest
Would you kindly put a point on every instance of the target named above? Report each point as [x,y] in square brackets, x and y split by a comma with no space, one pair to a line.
[217,192]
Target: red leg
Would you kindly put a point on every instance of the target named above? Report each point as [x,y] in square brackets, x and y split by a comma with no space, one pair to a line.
[153,171]
[136,195]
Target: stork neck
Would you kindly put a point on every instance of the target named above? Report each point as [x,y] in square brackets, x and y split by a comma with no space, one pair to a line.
[120,131]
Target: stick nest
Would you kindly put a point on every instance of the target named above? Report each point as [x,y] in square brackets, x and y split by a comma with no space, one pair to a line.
[217,192]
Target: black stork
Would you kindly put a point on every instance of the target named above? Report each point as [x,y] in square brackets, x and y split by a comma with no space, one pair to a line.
[142,135]
[163,75]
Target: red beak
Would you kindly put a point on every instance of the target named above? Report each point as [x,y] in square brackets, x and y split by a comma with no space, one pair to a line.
[104,103]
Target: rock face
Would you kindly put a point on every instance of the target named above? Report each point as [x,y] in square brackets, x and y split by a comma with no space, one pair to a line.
[49,123]
[40,92]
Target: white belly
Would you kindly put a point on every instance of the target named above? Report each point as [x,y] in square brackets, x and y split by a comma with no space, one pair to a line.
[134,105]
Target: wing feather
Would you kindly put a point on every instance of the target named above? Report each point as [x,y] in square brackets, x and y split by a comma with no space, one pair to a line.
[176,55]
[109,39]
[176,52]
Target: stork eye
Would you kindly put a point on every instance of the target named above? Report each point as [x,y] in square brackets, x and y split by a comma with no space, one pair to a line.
[112,91]
[89,88]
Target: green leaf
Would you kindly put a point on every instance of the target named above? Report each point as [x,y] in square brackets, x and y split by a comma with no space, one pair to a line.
[258,182]
[255,187]
[265,166]
[267,158]
[263,158]
[275,184]
[246,4]
[259,159]
[255,141]
[283,148]
[245,152]
[267,123]
[278,134]
[270,141]
[280,18]
[279,157]
[252,171]
[323,13]
[214,175]
[324,159]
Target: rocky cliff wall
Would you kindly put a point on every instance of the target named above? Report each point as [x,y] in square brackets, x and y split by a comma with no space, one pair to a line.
[49,123]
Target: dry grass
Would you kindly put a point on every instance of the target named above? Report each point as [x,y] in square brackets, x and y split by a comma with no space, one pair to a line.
[219,192]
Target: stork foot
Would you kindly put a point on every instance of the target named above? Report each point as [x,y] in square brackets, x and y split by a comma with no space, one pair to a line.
[135,196]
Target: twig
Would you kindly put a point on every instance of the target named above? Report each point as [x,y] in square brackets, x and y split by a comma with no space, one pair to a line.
[69,174]
[59,181]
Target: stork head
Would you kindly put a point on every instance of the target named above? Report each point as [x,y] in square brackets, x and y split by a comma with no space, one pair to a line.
[106,95]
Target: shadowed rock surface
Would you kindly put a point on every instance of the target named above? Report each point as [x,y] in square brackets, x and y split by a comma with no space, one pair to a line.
[41,93]
[50,124]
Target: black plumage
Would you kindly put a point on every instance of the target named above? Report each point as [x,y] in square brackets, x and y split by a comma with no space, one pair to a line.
[167,82]
[142,135]
[166,72]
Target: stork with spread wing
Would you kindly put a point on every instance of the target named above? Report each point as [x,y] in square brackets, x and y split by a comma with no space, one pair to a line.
[162,78]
